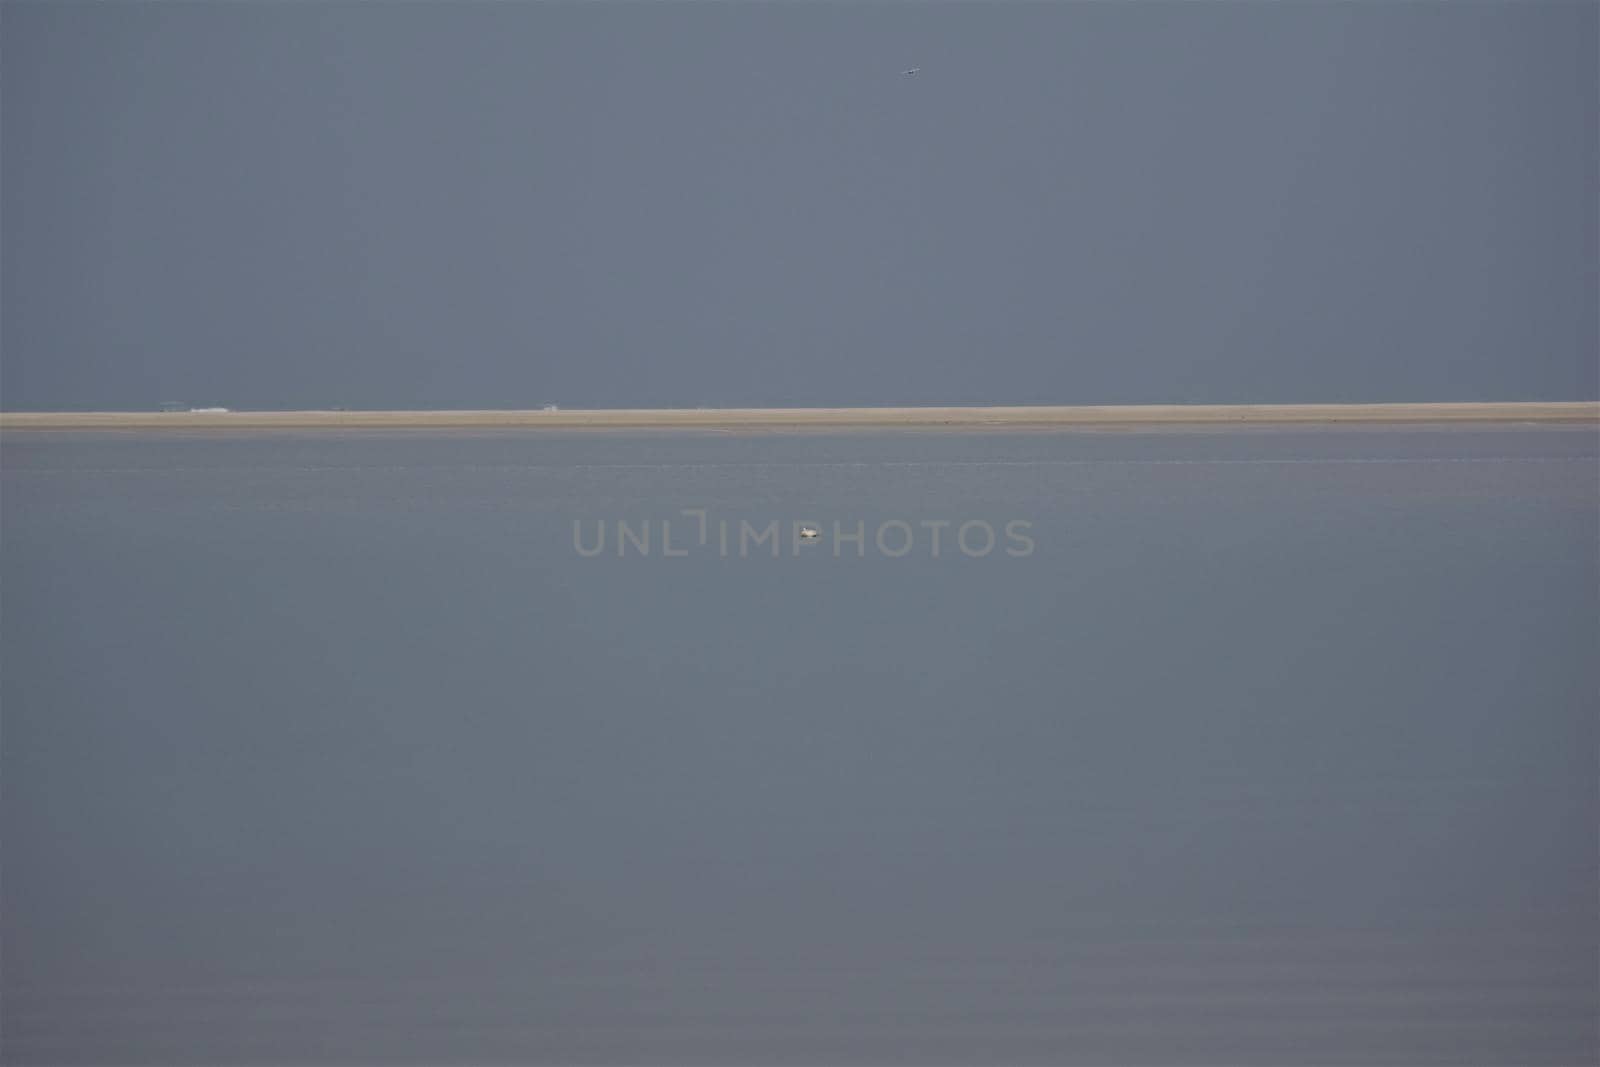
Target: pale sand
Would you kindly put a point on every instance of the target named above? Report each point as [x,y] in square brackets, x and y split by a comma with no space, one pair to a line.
[749,418]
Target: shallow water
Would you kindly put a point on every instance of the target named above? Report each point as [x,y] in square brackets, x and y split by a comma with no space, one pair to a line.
[1275,746]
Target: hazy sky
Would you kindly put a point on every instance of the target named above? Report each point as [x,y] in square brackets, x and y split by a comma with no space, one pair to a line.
[607,204]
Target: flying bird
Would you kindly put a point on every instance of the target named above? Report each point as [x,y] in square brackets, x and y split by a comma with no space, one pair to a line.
[913,70]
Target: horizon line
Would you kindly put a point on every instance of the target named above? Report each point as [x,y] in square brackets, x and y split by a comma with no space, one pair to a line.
[800,417]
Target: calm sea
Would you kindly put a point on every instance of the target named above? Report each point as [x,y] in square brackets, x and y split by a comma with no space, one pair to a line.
[1235,747]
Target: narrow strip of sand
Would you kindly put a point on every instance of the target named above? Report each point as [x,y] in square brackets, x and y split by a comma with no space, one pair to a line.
[749,418]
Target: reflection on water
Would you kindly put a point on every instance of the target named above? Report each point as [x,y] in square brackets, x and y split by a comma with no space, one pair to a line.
[1278,748]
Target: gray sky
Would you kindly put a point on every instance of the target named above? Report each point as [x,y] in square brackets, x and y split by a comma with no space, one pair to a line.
[611,204]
